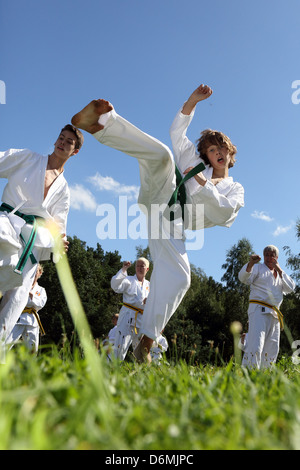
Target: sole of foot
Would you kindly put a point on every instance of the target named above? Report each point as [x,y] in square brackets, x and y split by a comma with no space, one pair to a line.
[87,119]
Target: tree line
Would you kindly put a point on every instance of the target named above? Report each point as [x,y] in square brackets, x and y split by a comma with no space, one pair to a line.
[198,332]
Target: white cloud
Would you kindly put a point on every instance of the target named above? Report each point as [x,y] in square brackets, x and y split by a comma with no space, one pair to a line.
[107,183]
[82,198]
[262,216]
[280,230]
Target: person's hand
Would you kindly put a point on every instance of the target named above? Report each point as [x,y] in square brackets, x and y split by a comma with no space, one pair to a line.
[125,266]
[201,93]
[254,259]
[199,177]
[65,243]
[276,267]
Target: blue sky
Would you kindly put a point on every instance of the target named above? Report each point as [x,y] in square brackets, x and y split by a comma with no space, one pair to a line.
[146,58]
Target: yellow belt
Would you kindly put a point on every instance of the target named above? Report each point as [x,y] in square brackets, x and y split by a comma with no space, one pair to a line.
[34,312]
[137,311]
[279,314]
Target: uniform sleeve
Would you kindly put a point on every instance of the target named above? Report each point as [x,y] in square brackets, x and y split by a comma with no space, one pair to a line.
[120,282]
[220,209]
[287,283]
[59,210]
[245,277]
[184,150]
[12,159]
[38,300]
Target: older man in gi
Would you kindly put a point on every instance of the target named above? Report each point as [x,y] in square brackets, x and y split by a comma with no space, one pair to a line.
[268,283]
[135,290]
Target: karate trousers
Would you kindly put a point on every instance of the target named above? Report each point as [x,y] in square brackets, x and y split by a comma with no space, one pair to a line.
[29,333]
[170,277]
[14,299]
[126,333]
[262,341]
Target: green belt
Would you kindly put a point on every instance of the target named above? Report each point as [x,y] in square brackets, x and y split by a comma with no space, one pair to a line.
[180,193]
[27,252]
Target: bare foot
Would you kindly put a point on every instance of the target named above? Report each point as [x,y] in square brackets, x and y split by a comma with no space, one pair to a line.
[87,118]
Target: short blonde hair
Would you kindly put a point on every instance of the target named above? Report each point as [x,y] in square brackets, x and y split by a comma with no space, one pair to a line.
[271,248]
[144,261]
[210,137]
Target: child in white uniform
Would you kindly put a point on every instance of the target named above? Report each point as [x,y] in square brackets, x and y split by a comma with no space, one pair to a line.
[35,187]
[28,325]
[171,269]
[135,290]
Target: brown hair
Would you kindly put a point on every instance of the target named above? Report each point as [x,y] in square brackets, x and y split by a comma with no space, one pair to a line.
[78,134]
[210,137]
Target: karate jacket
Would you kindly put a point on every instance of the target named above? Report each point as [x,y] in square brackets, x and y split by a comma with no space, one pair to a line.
[221,202]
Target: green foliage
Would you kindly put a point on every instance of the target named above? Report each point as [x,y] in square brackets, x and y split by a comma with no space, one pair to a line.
[92,270]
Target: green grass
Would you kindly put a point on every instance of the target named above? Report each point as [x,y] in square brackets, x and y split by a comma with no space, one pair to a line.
[65,400]
[53,402]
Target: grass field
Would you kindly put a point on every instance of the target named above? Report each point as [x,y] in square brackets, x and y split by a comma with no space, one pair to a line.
[58,401]
[68,399]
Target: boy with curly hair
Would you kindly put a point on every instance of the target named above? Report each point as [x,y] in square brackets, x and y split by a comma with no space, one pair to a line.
[213,189]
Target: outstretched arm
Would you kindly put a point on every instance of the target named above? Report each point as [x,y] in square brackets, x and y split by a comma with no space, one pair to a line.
[201,93]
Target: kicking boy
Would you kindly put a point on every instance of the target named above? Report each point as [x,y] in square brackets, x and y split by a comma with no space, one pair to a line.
[36,191]
[170,278]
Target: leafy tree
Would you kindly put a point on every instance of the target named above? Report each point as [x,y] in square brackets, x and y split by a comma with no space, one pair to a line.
[236,257]
[92,270]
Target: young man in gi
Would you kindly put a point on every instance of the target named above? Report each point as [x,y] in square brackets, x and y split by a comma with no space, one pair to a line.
[268,283]
[135,290]
[170,278]
[36,194]
[28,325]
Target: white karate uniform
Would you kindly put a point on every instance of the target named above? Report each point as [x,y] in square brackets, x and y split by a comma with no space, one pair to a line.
[111,337]
[158,347]
[264,327]
[27,325]
[170,278]
[134,293]
[109,342]
[25,171]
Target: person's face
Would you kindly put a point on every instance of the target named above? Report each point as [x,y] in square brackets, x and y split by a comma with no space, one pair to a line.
[64,147]
[141,269]
[270,258]
[218,156]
